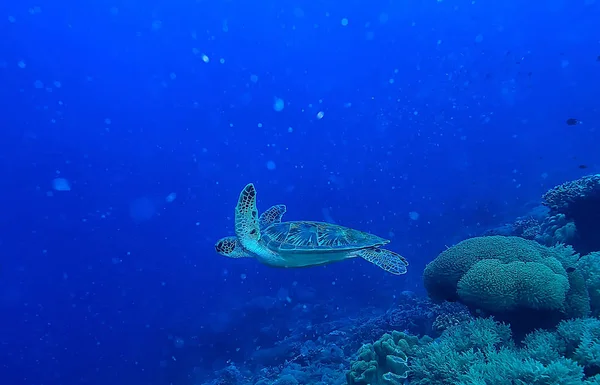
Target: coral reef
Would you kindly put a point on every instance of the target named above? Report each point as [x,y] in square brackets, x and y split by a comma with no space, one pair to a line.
[483,352]
[579,202]
[509,307]
[589,268]
[511,278]
[384,361]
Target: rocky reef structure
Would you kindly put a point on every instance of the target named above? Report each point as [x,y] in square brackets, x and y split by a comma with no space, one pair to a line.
[569,214]
[579,202]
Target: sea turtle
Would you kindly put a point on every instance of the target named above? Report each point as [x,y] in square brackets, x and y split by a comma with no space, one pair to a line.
[300,243]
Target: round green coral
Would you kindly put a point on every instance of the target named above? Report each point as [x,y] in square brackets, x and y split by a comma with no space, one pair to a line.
[502,274]
[441,276]
[502,287]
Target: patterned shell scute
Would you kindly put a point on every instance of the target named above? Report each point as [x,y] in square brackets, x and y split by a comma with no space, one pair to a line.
[316,236]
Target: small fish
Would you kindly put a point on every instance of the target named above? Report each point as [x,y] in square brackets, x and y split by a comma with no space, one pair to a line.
[570,269]
[573,122]
[583,166]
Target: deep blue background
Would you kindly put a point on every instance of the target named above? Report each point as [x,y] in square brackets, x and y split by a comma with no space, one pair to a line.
[455,110]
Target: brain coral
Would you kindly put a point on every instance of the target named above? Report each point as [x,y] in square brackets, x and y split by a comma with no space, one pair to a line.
[500,274]
[502,287]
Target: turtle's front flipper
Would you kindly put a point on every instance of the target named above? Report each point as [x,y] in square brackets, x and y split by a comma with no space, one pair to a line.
[385,259]
[272,215]
[246,217]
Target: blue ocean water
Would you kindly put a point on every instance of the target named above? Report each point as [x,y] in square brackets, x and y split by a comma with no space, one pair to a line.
[128,129]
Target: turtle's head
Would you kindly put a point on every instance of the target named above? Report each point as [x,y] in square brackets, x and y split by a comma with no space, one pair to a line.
[231,247]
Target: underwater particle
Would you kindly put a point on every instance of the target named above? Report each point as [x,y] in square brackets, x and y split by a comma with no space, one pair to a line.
[290,130]
[271,165]
[582,166]
[298,12]
[344,22]
[114,10]
[205,58]
[21,64]
[253,78]
[107,121]
[479,38]
[178,342]
[11,19]
[243,276]
[57,84]
[222,61]
[171,197]
[259,125]
[383,18]
[35,10]
[173,75]
[413,215]
[38,84]
[278,104]
[156,25]
[61,184]
[195,51]
[564,63]
[573,122]
[320,115]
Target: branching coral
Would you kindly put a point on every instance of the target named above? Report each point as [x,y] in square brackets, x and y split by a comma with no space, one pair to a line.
[589,267]
[482,352]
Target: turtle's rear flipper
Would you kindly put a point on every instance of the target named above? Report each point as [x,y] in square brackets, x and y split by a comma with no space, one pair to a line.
[385,259]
